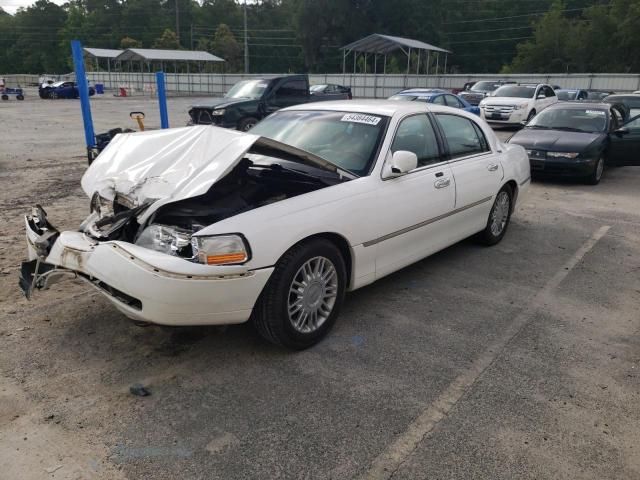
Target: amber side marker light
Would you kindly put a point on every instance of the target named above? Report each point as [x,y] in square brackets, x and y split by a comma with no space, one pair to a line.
[235,257]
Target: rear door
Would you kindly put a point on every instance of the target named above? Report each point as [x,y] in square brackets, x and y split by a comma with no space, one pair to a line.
[625,144]
[476,170]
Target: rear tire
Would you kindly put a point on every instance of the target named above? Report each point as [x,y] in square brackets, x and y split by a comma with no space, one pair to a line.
[595,176]
[247,123]
[499,218]
[5,97]
[302,299]
[20,97]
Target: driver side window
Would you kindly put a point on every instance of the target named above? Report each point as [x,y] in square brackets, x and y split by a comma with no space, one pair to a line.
[415,134]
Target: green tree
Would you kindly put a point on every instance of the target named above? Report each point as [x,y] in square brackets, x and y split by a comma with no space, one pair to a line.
[225,45]
[551,48]
[128,42]
[168,41]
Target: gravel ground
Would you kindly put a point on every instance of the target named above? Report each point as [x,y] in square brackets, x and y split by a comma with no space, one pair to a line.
[517,361]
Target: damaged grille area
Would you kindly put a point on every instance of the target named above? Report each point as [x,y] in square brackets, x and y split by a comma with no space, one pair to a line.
[113,292]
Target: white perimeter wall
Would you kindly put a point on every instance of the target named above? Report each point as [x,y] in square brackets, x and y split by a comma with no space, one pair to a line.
[363,86]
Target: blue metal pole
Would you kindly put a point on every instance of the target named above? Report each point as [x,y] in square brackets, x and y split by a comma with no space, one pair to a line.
[162,100]
[83,90]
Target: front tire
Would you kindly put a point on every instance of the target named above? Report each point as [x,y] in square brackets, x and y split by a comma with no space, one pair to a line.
[247,124]
[499,218]
[532,114]
[595,176]
[302,299]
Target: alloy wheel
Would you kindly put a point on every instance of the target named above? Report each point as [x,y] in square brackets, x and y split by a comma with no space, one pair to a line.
[312,294]
[500,213]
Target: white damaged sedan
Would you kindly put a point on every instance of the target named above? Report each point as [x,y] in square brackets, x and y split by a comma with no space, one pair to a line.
[202,225]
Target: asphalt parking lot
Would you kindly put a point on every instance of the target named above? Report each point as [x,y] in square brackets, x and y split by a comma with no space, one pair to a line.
[516,361]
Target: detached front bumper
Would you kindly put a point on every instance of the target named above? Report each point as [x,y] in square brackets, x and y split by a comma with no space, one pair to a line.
[143,284]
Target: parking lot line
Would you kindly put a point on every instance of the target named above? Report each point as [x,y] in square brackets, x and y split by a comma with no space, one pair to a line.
[388,462]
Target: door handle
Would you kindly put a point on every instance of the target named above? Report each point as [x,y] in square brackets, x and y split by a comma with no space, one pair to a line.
[492,167]
[442,183]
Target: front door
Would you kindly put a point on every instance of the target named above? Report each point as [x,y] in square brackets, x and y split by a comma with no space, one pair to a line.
[414,208]
[476,169]
[625,144]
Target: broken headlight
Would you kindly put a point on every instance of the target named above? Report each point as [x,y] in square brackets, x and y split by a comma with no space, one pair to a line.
[220,250]
[162,238]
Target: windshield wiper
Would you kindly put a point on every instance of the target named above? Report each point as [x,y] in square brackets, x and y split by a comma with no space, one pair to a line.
[277,166]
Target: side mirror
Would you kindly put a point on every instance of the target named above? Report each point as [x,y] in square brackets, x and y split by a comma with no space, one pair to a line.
[403,162]
[621,132]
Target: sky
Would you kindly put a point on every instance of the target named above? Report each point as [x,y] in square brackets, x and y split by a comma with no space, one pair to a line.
[12,5]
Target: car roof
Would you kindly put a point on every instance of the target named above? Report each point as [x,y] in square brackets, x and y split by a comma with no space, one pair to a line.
[418,94]
[422,90]
[623,95]
[387,108]
[579,106]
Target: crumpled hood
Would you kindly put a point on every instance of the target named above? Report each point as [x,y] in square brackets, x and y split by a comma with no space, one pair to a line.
[555,140]
[164,166]
[177,163]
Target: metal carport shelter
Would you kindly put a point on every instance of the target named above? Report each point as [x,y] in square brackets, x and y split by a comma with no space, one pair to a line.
[98,53]
[378,44]
[151,55]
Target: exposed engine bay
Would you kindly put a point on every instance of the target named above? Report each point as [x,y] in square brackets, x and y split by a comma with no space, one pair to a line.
[251,184]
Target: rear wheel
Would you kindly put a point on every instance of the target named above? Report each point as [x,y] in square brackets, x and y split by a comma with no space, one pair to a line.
[247,124]
[596,175]
[20,97]
[5,97]
[499,218]
[302,299]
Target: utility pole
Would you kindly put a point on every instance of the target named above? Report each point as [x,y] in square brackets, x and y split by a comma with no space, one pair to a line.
[246,44]
[177,22]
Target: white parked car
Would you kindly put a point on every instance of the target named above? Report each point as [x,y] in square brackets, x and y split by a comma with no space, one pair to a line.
[517,104]
[203,225]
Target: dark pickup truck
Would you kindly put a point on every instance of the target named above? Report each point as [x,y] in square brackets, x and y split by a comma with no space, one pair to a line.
[249,101]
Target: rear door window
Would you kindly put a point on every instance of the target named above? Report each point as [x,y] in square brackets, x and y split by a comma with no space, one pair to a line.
[464,137]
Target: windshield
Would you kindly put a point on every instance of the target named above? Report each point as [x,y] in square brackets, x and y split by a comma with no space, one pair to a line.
[348,140]
[316,88]
[566,94]
[516,91]
[576,119]
[485,87]
[248,89]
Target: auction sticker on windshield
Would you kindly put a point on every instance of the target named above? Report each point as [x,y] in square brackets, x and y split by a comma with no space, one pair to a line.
[595,112]
[360,118]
